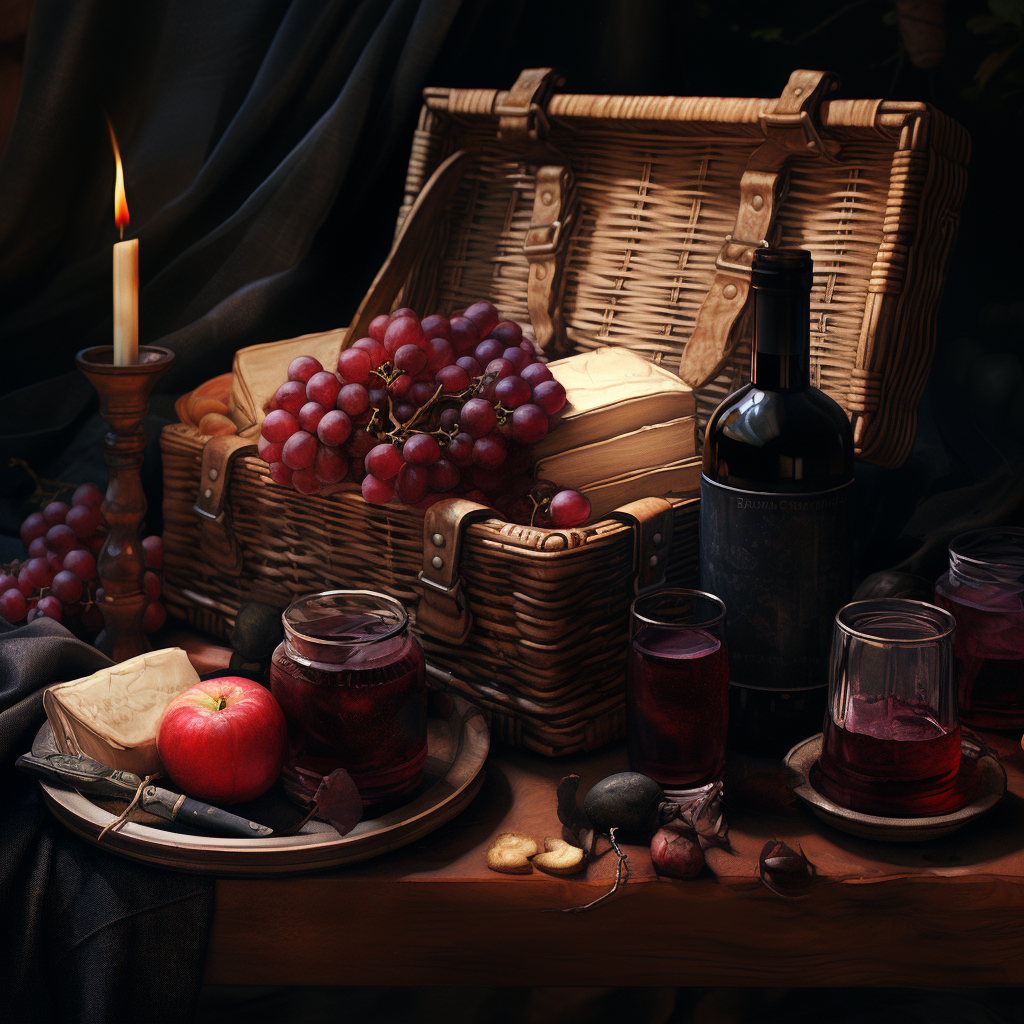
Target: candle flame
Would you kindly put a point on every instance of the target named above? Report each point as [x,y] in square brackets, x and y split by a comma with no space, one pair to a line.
[121,217]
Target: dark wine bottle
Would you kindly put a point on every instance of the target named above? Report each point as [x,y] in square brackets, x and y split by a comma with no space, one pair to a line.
[774,522]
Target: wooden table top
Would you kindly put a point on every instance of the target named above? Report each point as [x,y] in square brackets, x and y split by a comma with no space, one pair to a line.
[946,913]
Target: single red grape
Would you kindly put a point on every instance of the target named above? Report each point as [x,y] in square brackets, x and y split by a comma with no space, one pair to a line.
[153,617]
[501,368]
[88,494]
[375,349]
[404,411]
[410,358]
[268,450]
[488,349]
[360,443]
[535,373]
[422,392]
[452,378]
[13,606]
[354,365]
[378,398]
[478,496]
[353,399]
[400,312]
[61,538]
[305,481]
[56,512]
[34,526]
[507,332]
[95,544]
[421,450]
[436,326]
[516,356]
[82,564]
[529,423]
[412,483]
[330,466]
[443,476]
[299,451]
[303,367]
[279,426]
[384,462]
[460,450]
[54,561]
[38,548]
[153,547]
[449,417]
[439,353]
[569,508]
[470,365]
[280,474]
[430,499]
[465,335]
[549,395]
[377,492]
[51,607]
[66,587]
[400,386]
[291,396]
[378,325]
[478,417]
[489,452]
[310,416]
[484,315]
[512,392]
[150,586]
[324,387]
[25,584]
[404,331]
[335,428]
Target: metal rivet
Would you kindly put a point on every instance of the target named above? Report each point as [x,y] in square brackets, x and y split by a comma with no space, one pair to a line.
[656,538]
[437,562]
[812,144]
[757,202]
[729,291]
[438,540]
[797,90]
[654,561]
[214,474]
[207,493]
[546,196]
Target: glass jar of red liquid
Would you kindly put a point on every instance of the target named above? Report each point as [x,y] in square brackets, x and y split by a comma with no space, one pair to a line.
[891,739]
[677,689]
[983,590]
[350,678]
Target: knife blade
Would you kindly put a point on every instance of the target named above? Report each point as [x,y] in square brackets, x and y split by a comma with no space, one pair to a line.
[83,773]
[185,811]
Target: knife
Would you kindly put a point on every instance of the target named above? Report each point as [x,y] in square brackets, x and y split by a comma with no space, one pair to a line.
[89,776]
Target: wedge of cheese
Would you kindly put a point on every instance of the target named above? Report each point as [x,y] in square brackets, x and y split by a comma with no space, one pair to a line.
[113,715]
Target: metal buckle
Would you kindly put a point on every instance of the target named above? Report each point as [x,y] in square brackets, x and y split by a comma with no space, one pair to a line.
[534,116]
[218,518]
[440,588]
[738,263]
[553,233]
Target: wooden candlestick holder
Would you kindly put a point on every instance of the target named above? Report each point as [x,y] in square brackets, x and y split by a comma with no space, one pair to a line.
[124,401]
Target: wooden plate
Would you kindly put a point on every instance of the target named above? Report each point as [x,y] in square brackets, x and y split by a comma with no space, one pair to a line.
[457,744]
[990,790]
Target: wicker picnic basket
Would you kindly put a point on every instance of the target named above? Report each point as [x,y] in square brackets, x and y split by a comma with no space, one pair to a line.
[598,220]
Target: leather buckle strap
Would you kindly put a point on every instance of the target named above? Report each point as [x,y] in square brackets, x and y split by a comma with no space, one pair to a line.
[521,110]
[737,256]
[542,239]
[554,206]
[216,541]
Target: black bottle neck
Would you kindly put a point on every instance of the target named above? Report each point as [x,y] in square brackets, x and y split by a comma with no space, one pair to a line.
[781,356]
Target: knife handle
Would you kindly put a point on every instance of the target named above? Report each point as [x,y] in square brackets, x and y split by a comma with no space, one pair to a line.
[212,819]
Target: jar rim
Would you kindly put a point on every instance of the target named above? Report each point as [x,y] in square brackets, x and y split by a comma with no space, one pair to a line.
[291,630]
[679,592]
[1003,550]
[942,622]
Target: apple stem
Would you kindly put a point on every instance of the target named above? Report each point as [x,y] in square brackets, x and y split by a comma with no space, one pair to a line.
[221,704]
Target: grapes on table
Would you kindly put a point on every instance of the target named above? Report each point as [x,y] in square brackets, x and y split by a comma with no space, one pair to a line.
[60,579]
[416,410]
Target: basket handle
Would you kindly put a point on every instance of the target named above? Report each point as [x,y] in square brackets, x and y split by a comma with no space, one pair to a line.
[652,521]
[442,612]
[791,129]
[216,540]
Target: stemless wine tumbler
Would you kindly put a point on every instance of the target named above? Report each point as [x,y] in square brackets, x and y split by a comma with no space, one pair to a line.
[677,684]
[891,743]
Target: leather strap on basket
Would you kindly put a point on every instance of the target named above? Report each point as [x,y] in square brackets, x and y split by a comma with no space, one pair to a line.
[790,130]
[652,520]
[216,541]
[442,612]
[544,248]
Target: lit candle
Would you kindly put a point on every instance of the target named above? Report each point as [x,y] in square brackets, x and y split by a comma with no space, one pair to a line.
[126,275]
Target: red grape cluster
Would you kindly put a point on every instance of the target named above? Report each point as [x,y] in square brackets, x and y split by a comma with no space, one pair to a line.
[59,579]
[420,410]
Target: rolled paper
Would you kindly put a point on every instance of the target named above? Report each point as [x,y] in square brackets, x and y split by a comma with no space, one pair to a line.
[126,302]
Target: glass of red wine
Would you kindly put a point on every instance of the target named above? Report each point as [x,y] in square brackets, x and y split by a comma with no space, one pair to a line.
[677,684]
[983,591]
[350,678]
[891,738]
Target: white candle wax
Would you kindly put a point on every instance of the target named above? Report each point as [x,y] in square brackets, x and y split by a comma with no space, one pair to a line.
[126,302]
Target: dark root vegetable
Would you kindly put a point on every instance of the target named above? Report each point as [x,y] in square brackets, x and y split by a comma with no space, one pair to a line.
[629,802]
[785,871]
[676,851]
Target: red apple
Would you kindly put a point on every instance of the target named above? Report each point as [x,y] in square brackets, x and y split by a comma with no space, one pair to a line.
[223,740]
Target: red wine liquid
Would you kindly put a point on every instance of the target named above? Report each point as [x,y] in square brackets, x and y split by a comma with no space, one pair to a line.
[989,644]
[891,759]
[677,706]
[362,708]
